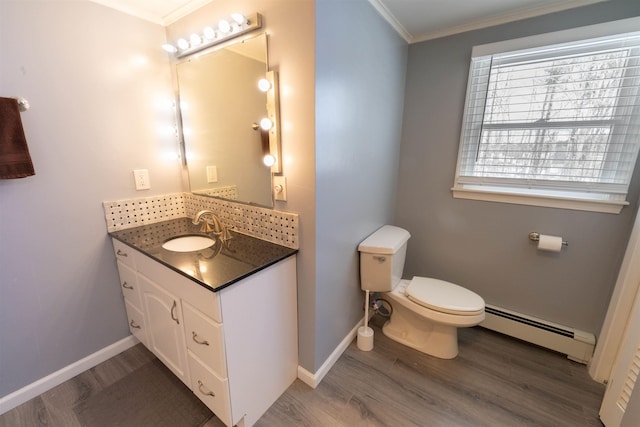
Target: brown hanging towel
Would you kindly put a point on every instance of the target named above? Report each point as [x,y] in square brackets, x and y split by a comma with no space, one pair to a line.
[15,161]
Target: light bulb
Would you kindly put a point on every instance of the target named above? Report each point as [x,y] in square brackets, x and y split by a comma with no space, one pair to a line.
[239,18]
[209,33]
[195,40]
[183,44]
[224,26]
[264,85]
[269,160]
[266,124]
[169,48]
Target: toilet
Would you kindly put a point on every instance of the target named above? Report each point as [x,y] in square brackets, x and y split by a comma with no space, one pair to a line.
[426,313]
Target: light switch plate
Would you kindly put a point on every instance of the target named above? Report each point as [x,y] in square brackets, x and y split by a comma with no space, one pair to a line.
[280,188]
[141,177]
[212,174]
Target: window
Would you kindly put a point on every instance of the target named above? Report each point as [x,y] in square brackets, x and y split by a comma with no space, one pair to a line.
[554,125]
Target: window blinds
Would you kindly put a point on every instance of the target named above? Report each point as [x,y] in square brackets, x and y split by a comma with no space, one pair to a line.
[564,117]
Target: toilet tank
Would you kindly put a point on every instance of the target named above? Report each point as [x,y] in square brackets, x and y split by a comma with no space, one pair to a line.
[382,258]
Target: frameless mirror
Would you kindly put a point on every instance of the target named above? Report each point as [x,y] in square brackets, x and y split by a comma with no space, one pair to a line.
[221,108]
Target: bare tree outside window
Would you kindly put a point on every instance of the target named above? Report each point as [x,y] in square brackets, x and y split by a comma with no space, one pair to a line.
[552,119]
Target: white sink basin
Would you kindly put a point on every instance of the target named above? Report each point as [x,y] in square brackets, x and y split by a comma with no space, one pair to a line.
[188,243]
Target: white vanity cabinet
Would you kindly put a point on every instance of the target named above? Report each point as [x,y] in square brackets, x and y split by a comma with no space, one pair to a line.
[236,348]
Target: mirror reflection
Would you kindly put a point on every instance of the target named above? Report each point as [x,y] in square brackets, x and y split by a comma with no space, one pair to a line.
[221,108]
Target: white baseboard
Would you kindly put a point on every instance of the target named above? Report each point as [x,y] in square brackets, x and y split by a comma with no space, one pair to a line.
[312,380]
[38,387]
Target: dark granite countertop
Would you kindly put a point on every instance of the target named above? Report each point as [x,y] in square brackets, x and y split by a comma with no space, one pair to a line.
[215,267]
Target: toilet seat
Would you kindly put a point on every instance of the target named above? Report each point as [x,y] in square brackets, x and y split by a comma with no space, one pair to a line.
[444,297]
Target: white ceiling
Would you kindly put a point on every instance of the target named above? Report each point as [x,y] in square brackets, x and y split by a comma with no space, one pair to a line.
[415,20]
[162,12]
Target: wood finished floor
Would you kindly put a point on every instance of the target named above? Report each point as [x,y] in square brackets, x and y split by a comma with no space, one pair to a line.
[494,381]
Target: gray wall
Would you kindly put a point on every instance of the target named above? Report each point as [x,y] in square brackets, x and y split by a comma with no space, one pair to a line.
[93,77]
[360,72]
[482,245]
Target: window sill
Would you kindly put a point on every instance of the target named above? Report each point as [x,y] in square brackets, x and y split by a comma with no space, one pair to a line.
[549,200]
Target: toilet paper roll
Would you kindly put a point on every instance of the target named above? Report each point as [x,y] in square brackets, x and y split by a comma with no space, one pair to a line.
[550,243]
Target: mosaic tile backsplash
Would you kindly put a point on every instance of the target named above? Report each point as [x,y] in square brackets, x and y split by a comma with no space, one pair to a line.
[263,223]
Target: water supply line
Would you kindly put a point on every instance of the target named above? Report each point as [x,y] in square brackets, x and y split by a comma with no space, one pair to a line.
[382,307]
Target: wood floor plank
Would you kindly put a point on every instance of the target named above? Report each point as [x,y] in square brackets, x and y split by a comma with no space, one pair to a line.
[61,398]
[121,365]
[291,411]
[309,406]
[213,422]
[30,414]
[384,397]
[496,381]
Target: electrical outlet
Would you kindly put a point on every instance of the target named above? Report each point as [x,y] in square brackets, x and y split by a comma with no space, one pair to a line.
[141,178]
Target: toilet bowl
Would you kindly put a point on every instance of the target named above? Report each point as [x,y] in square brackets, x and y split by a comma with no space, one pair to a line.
[426,313]
[429,323]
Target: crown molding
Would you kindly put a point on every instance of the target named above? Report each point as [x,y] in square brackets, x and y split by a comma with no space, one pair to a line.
[504,18]
[384,12]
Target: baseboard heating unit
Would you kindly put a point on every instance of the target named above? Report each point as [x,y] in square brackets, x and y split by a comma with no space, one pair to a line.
[577,345]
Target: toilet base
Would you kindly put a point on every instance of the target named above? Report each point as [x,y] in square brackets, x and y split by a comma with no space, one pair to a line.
[418,333]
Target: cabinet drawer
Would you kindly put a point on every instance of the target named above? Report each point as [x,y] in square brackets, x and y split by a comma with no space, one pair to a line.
[204,338]
[129,284]
[124,253]
[136,322]
[211,390]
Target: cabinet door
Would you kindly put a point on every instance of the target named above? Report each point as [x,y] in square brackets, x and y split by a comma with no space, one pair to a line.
[165,333]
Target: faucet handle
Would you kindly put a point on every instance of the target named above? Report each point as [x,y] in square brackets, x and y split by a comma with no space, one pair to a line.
[226,233]
[206,227]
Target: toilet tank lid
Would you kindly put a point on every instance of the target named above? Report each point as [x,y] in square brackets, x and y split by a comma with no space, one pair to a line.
[388,239]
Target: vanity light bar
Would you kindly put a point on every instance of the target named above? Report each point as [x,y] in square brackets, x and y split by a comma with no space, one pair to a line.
[273,113]
[227,29]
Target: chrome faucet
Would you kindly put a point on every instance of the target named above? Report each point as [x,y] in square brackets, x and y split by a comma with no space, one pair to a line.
[218,229]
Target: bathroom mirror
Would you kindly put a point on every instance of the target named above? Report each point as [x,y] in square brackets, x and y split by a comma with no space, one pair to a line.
[221,109]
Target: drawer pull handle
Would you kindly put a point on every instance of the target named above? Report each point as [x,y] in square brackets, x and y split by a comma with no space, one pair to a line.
[204,391]
[173,316]
[127,286]
[133,325]
[120,253]
[195,338]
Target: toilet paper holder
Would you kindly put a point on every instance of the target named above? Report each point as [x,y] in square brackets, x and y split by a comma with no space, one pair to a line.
[535,236]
